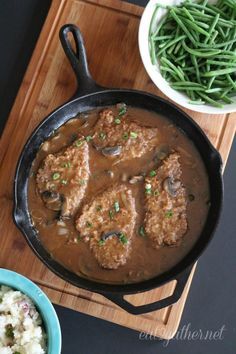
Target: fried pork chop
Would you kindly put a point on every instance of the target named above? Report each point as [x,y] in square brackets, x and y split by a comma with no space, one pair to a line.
[63,177]
[119,138]
[165,219]
[107,225]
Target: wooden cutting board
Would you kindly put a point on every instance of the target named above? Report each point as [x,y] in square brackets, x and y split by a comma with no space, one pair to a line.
[110,30]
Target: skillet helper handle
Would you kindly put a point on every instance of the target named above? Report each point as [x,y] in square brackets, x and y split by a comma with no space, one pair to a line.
[154,306]
[78,60]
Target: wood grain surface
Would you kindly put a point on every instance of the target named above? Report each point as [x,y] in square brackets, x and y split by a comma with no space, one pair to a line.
[110,30]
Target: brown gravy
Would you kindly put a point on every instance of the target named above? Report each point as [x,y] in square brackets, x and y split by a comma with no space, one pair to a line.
[144,262]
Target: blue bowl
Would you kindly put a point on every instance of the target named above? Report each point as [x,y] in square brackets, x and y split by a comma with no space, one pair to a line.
[42,303]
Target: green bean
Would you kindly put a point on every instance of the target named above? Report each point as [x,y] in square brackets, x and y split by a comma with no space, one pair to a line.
[173,67]
[181,58]
[166,69]
[187,13]
[202,24]
[216,19]
[195,64]
[221,32]
[198,6]
[196,27]
[231,81]
[188,83]
[216,89]
[221,83]
[220,63]
[219,72]
[177,47]
[225,43]
[170,43]
[210,82]
[180,23]
[152,52]
[187,88]
[217,10]
[210,100]
[223,98]
[213,38]
[159,25]
[153,18]
[197,102]
[199,53]
[160,38]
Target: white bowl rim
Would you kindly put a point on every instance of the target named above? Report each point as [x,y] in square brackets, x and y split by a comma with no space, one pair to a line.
[157,78]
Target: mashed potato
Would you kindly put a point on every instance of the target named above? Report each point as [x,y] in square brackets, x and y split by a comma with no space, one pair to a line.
[21,330]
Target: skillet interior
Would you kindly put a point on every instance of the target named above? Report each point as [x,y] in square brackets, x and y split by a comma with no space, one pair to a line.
[137,99]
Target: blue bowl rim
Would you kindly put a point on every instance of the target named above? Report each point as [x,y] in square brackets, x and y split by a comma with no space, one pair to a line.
[50,320]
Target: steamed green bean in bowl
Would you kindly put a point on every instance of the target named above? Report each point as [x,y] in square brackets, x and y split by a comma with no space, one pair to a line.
[194,45]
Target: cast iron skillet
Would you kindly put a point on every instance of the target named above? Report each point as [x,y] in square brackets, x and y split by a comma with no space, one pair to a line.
[89,96]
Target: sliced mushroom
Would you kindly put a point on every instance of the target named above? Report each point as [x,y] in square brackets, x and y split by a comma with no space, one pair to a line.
[110,173]
[110,234]
[45,146]
[171,186]
[112,150]
[136,179]
[161,152]
[53,200]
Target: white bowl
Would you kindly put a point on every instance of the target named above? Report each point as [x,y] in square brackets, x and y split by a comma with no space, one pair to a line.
[154,71]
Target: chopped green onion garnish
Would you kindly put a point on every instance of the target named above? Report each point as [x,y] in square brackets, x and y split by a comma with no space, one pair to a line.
[142,231]
[89,224]
[169,214]
[122,110]
[133,135]
[101,242]
[79,238]
[56,176]
[82,182]
[148,188]
[88,138]
[117,207]
[66,164]
[79,142]
[102,136]
[148,191]
[156,193]
[125,136]
[123,238]
[99,207]
[111,214]
[152,173]
[64,181]
[117,121]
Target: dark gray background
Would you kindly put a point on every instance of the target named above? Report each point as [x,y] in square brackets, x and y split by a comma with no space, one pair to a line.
[211,302]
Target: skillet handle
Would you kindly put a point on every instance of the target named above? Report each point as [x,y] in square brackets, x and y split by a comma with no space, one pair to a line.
[78,60]
[154,306]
